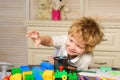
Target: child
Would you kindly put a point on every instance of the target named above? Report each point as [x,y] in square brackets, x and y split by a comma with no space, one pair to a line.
[84,34]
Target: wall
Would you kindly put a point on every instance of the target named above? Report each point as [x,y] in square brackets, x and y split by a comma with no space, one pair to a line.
[13,45]
[12,32]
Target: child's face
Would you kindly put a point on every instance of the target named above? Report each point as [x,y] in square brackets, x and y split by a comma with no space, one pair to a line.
[73,47]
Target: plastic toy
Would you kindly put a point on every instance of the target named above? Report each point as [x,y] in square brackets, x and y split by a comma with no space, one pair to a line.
[48,75]
[17,76]
[116,73]
[72,76]
[47,65]
[6,78]
[24,68]
[44,72]
[61,68]
[62,62]
[26,73]
[105,68]
[38,69]
[85,78]
[15,70]
[64,77]
[37,75]
[88,71]
[29,77]
[58,74]
[4,66]
[97,78]
[47,71]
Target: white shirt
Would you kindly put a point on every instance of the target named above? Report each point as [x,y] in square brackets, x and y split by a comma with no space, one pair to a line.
[81,61]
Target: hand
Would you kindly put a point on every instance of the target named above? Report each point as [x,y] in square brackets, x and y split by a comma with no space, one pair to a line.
[34,35]
[51,60]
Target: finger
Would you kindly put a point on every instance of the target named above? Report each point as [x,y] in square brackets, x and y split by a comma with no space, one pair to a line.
[29,33]
[37,43]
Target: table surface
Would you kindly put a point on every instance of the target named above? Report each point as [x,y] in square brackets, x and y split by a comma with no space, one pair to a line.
[112,74]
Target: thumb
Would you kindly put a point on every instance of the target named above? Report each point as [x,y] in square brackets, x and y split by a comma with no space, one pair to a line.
[37,43]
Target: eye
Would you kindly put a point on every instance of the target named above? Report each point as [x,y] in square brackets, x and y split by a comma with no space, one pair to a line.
[78,46]
[70,40]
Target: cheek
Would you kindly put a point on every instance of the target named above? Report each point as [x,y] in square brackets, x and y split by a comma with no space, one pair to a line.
[67,43]
[81,51]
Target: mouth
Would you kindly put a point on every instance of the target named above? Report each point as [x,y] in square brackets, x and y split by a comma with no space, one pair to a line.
[71,52]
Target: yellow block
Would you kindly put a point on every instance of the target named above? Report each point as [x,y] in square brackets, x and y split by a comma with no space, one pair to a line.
[17,76]
[25,73]
[48,75]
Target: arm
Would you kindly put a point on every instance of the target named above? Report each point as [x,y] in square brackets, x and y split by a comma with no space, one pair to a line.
[43,40]
[46,40]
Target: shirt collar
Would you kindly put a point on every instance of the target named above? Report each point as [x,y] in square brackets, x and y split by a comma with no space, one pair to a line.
[75,59]
[65,53]
[72,60]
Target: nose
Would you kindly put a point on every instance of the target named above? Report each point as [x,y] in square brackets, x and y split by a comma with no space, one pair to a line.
[73,46]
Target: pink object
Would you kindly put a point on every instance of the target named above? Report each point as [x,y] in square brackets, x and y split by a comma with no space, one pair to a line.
[56,14]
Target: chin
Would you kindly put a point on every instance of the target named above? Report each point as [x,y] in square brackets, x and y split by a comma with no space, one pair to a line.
[72,54]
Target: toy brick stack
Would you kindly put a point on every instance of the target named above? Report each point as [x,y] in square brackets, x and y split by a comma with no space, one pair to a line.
[61,70]
[45,71]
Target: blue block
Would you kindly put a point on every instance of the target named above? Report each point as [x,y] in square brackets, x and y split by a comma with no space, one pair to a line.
[37,68]
[37,76]
[24,68]
[47,65]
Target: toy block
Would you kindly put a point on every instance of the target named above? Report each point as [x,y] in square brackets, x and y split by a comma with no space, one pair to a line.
[48,75]
[26,73]
[61,67]
[72,76]
[15,70]
[11,77]
[59,74]
[47,65]
[64,77]
[37,75]
[36,72]
[29,77]
[36,68]
[6,78]
[24,68]
[17,76]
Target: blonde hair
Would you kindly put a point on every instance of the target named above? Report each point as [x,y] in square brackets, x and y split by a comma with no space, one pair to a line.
[87,29]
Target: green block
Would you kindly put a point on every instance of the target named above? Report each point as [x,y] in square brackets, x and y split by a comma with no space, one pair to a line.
[72,76]
[29,77]
[15,70]
[59,74]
